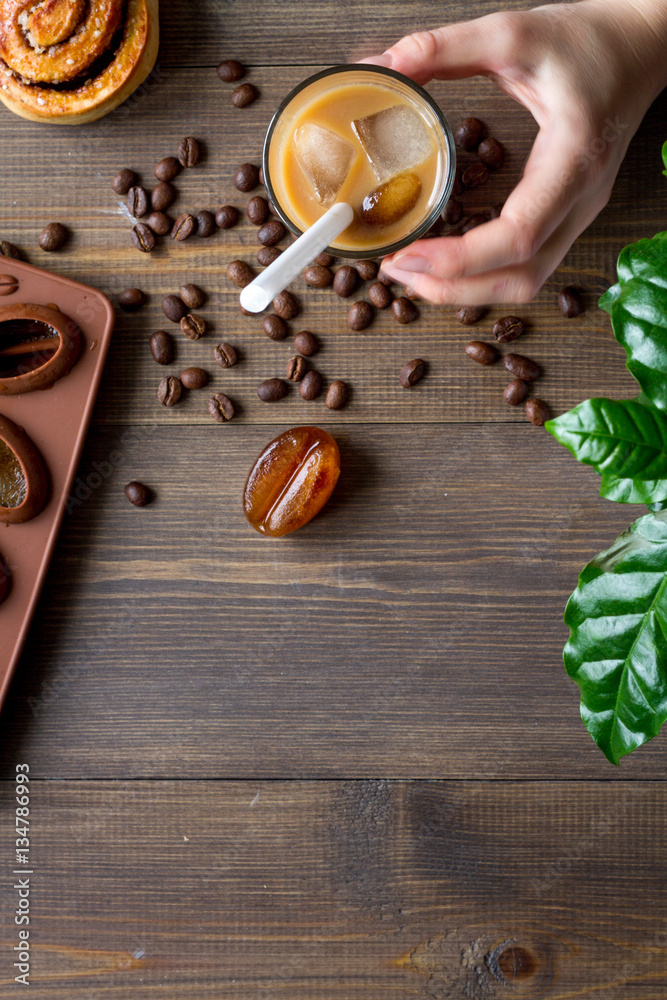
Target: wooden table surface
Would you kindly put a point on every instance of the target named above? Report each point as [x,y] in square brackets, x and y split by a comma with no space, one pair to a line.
[347,763]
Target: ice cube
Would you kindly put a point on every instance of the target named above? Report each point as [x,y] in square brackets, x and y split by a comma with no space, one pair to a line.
[325,158]
[394,140]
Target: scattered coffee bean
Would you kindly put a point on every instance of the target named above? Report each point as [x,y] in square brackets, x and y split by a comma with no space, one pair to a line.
[143,238]
[174,308]
[404,310]
[470,133]
[522,367]
[457,185]
[138,494]
[169,391]
[537,411]
[470,314]
[162,347]
[8,249]
[271,232]
[452,212]
[131,299]
[257,210]
[366,269]
[296,368]
[246,177]
[286,305]
[379,295]
[226,217]
[570,302]
[306,343]
[193,296]
[53,237]
[194,378]
[123,180]
[345,281]
[385,279]
[240,273]
[491,153]
[507,329]
[318,276]
[272,390]
[496,211]
[475,220]
[310,385]
[267,255]
[410,293]
[481,352]
[162,196]
[183,228]
[160,223]
[244,95]
[337,395]
[261,175]
[137,201]
[188,152]
[230,70]
[360,315]
[205,223]
[274,327]
[193,326]
[325,259]
[167,168]
[515,392]
[412,372]
[475,175]
[225,355]
[221,407]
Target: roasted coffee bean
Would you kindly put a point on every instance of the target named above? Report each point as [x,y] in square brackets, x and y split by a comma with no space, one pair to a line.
[167,168]
[272,390]
[337,394]
[225,355]
[160,223]
[318,276]
[123,180]
[193,296]
[410,293]
[226,217]
[496,211]
[310,385]
[246,177]
[188,152]
[470,133]
[404,310]
[194,378]
[475,220]
[169,391]
[274,327]
[306,343]
[515,392]
[286,305]
[230,70]
[138,494]
[193,326]
[143,238]
[137,202]
[491,153]
[325,259]
[360,315]
[174,308]
[296,368]
[162,196]
[412,372]
[379,295]
[483,353]
[267,255]
[131,299]
[8,249]
[457,185]
[240,273]
[345,281]
[366,269]
[537,411]
[244,95]
[183,228]
[385,279]
[522,367]
[221,407]
[271,232]
[470,314]
[507,329]
[205,223]
[475,175]
[570,302]
[261,175]
[257,210]
[53,237]
[452,212]
[162,347]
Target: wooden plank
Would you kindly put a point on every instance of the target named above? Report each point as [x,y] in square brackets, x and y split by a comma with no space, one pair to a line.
[356,890]
[414,630]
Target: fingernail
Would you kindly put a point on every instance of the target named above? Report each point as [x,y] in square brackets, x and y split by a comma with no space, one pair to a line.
[412,262]
[383,60]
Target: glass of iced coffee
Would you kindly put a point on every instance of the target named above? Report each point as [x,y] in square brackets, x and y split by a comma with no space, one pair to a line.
[367,136]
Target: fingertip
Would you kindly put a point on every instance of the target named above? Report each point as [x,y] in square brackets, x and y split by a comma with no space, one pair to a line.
[384,60]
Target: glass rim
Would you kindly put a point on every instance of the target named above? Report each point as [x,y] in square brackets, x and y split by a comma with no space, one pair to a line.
[439,204]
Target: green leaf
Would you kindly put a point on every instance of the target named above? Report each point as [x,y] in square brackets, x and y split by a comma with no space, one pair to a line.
[619,437]
[664,157]
[645,491]
[655,507]
[607,300]
[617,650]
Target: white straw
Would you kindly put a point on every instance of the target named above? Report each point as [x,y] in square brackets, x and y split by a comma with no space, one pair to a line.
[262,291]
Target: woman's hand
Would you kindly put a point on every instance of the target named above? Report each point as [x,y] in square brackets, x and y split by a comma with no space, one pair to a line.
[587,72]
